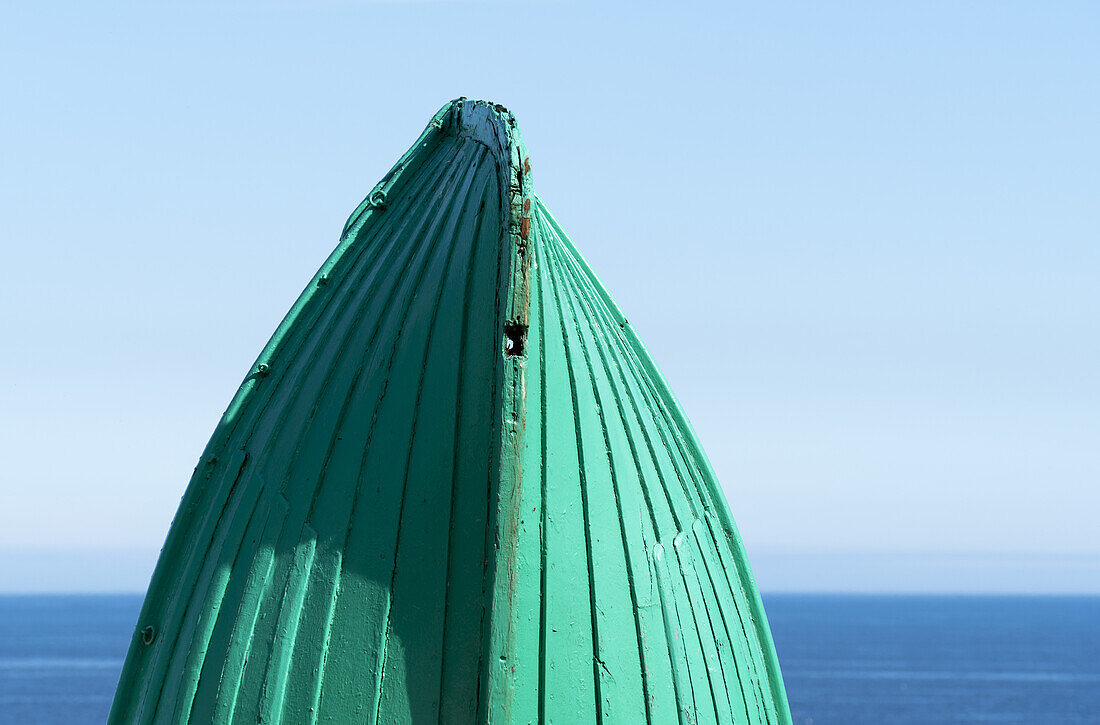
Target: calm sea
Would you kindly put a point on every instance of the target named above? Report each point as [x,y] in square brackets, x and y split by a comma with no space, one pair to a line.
[846,659]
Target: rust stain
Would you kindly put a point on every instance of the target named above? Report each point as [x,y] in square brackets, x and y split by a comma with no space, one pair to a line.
[525,228]
[527,165]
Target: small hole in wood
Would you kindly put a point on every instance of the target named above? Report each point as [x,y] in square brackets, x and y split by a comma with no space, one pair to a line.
[515,338]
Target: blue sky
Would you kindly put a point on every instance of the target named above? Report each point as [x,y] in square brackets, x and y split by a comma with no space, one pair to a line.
[862,240]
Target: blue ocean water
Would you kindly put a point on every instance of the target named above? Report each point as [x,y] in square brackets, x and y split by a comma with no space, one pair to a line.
[845,659]
[910,660]
[60,656]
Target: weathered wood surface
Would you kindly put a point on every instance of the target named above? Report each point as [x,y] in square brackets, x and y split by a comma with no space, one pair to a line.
[453,488]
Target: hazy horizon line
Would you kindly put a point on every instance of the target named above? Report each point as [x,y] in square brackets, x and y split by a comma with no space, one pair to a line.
[124,570]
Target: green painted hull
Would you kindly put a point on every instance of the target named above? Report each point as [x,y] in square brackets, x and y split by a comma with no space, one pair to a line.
[453,488]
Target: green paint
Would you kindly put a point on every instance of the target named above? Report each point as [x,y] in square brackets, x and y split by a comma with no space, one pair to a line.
[453,488]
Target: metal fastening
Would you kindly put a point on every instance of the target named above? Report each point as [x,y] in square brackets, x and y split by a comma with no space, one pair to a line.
[377,199]
[148,634]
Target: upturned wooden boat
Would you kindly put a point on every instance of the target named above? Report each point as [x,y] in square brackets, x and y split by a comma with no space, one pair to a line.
[453,488]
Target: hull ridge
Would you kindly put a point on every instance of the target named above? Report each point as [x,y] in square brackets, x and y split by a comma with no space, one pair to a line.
[453,488]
